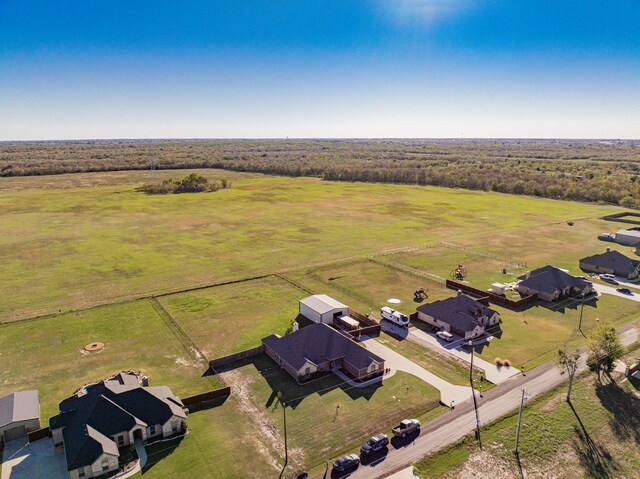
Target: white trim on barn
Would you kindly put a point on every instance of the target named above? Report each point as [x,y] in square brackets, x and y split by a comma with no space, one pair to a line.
[321,308]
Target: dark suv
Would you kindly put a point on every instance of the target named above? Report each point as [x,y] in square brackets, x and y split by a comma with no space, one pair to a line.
[374,444]
[346,462]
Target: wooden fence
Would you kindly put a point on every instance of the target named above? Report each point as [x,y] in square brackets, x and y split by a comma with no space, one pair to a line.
[193,401]
[488,295]
[38,434]
[362,318]
[247,353]
[371,331]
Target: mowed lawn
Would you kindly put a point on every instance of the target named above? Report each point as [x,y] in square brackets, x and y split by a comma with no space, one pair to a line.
[327,418]
[229,318]
[534,335]
[73,241]
[47,354]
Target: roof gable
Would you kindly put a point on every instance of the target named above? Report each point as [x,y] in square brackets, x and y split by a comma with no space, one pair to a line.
[319,343]
[459,311]
[613,260]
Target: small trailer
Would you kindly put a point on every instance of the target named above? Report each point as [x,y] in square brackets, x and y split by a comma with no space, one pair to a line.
[394,316]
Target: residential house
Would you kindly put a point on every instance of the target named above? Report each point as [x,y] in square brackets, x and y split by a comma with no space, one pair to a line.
[19,415]
[109,415]
[611,262]
[318,349]
[551,283]
[460,315]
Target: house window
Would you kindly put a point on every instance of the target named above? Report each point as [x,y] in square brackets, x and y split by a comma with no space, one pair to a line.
[174,426]
[307,371]
[105,464]
[81,472]
[120,440]
[374,367]
[152,430]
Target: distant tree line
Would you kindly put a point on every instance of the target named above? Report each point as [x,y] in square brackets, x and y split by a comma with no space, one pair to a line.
[585,170]
[192,183]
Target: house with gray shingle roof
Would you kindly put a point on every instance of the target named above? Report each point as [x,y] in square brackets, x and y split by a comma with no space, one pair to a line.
[317,350]
[551,283]
[611,262]
[109,415]
[460,315]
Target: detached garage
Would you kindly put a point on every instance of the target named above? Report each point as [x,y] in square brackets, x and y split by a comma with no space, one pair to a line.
[321,308]
[19,414]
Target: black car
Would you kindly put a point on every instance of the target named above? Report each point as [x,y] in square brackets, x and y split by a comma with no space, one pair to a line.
[624,291]
[374,444]
[345,462]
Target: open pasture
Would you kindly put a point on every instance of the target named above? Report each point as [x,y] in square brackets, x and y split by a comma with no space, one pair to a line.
[73,241]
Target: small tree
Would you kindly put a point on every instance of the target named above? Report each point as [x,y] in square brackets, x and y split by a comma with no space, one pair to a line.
[604,348]
[568,360]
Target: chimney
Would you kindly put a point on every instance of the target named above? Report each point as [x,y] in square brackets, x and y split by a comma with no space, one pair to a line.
[608,249]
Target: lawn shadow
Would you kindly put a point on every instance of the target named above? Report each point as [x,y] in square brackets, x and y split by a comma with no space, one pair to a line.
[595,458]
[292,393]
[158,451]
[624,407]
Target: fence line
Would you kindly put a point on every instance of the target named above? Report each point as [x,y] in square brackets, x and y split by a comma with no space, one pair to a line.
[407,269]
[230,358]
[198,399]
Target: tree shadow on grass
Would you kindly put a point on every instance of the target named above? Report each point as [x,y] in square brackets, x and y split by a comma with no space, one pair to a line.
[594,457]
[624,407]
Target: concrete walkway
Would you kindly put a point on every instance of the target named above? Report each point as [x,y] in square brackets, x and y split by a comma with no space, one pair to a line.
[492,373]
[448,392]
[37,460]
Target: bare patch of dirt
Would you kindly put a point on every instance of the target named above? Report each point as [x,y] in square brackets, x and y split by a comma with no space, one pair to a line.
[486,464]
[553,402]
[265,430]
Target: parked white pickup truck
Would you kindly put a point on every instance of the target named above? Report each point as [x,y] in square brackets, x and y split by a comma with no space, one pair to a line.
[394,316]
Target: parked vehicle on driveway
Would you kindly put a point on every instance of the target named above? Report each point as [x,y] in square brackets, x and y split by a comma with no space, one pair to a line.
[624,291]
[406,426]
[395,316]
[374,444]
[345,462]
[609,278]
[448,337]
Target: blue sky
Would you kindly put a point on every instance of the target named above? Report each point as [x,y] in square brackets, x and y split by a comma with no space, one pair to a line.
[326,68]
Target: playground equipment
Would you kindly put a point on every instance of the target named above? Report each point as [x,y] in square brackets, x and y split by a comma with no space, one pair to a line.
[420,294]
[460,272]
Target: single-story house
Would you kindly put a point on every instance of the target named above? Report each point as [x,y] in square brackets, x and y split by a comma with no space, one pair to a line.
[628,237]
[109,415]
[318,349]
[321,308]
[19,415]
[460,315]
[611,262]
[551,283]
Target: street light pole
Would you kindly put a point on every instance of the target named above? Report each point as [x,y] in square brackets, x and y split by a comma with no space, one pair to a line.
[475,401]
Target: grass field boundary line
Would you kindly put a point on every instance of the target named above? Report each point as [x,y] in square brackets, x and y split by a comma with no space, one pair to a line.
[408,270]
[446,244]
[359,296]
[183,338]
[292,283]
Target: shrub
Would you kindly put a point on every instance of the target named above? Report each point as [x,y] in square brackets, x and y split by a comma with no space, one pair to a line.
[499,362]
[506,363]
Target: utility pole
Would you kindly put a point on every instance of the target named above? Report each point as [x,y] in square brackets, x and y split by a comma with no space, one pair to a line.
[522,400]
[286,449]
[475,401]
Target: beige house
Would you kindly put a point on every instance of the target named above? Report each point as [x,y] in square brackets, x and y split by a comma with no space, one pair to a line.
[551,284]
[19,415]
[109,415]
[319,349]
[460,315]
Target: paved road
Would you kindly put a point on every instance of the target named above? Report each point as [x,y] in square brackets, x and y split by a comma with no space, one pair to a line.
[450,427]
[448,392]
[492,372]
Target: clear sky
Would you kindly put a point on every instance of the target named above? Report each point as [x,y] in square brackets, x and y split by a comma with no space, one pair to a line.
[319,68]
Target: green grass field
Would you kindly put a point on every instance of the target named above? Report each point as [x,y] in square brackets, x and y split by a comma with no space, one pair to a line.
[74,241]
[47,354]
[327,418]
[229,318]
[595,439]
